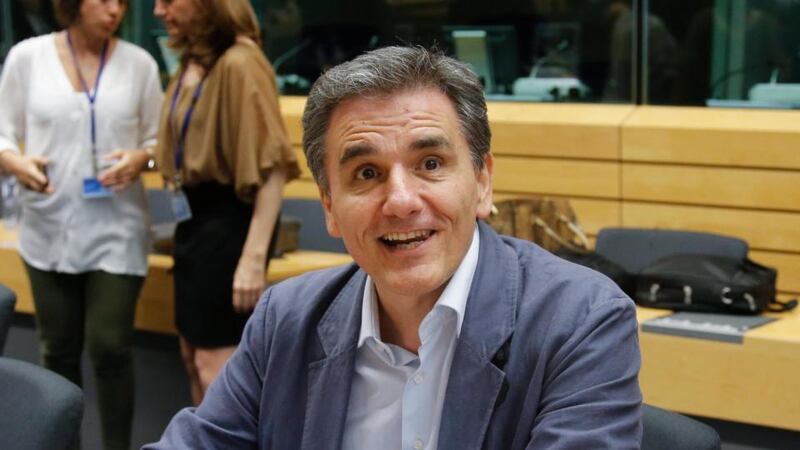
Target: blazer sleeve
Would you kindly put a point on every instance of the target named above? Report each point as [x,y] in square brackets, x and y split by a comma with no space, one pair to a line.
[228,415]
[591,396]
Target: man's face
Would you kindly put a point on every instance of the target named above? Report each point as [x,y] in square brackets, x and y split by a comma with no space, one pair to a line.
[403,191]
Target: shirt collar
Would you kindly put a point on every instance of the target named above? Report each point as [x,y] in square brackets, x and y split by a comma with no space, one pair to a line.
[454,296]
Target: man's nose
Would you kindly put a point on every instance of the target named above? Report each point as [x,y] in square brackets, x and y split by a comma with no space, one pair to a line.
[158,9]
[402,195]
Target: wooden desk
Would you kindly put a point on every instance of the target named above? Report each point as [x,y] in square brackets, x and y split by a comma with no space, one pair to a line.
[154,311]
[754,382]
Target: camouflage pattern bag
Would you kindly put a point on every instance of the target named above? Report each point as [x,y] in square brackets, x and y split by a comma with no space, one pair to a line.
[549,222]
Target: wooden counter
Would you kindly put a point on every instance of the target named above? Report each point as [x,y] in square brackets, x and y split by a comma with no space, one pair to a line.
[154,311]
[754,382]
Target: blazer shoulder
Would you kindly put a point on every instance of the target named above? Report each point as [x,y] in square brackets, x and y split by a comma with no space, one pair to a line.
[572,286]
[304,293]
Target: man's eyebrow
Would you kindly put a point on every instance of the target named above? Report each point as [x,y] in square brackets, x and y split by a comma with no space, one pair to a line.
[356,150]
[430,142]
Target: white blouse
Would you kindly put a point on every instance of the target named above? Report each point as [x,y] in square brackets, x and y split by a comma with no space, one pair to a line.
[64,232]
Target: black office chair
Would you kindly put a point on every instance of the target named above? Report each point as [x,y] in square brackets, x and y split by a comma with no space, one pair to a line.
[636,248]
[666,430]
[313,233]
[39,409]
[7,301]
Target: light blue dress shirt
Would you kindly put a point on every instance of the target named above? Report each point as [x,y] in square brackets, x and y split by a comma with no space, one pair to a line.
[396,397]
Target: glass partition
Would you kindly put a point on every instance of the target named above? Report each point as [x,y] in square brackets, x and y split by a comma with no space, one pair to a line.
[21,19]
[523,50]
[540,50]
[725,53]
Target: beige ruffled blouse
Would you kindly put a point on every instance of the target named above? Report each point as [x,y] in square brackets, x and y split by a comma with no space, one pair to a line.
[236,134]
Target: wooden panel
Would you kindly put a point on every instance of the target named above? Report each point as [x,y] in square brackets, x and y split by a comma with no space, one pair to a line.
[713,136]
[557,130]
[751,188]
[292,112]
[592,214]
[301,188]
[556,176]
[715,379]
[12,274]
[155,311]
[305,172]
[788,266]
[763,230]
[152,180]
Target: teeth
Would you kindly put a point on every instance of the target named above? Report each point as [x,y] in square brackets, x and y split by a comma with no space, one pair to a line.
[406,236]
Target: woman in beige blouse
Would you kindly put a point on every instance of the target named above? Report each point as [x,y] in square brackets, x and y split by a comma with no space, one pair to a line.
[223,147]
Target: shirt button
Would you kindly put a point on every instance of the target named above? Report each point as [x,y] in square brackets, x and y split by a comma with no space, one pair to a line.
[419,378]
[418,445]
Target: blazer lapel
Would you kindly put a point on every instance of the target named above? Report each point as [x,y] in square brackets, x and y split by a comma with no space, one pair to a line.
[329,379]
[475,384]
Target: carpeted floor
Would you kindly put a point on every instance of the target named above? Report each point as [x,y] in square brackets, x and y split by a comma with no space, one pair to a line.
[161,385]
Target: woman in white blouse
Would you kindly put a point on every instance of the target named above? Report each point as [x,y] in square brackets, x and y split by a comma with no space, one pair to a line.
[86,106]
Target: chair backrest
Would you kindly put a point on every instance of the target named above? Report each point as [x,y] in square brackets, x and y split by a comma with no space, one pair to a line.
[313,233]
[636,248]
[666,430]
[7,301]
[39,409]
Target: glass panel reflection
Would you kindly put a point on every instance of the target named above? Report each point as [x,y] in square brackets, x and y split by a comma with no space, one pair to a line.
[535,50]
[733,53]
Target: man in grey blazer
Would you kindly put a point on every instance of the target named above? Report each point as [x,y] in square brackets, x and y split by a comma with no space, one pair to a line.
[443,334]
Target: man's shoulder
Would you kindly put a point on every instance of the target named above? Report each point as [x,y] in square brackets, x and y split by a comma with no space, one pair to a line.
[300,295]
[560,287]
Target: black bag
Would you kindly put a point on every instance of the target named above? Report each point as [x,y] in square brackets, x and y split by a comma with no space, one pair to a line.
[709,283]
[625,280]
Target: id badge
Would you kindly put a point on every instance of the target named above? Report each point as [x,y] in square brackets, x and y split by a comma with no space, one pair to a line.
[92,188]
[180,207]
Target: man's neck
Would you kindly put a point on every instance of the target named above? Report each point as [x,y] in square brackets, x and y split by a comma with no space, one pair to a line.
[400,318]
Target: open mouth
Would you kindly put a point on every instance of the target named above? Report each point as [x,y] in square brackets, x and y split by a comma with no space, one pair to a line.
[406,241]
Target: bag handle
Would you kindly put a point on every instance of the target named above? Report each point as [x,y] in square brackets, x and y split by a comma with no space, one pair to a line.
[561,241]
[778,306]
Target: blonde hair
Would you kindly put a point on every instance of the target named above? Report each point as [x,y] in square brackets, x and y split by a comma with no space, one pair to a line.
[216,26]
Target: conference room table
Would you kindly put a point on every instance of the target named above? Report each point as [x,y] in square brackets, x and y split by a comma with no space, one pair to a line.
[154,311]
[756,381]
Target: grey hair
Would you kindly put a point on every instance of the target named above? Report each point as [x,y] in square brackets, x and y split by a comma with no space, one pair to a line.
[385,71]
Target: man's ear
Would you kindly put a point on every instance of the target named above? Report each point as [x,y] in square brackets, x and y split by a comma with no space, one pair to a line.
[484,187]
[330,220]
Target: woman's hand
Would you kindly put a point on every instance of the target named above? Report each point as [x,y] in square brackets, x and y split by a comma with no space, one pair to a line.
[126,170]
[29,170]
[248,282]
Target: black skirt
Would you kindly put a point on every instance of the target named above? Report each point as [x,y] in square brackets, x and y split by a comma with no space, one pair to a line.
[207,251]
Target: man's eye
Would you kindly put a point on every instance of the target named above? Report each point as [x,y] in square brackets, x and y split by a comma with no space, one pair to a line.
[366,173]
[431,164]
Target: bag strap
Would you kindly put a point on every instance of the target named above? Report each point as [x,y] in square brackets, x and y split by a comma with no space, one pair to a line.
[563,242]
[778,306]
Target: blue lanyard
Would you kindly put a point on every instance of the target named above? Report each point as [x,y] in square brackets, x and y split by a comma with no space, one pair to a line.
[180,138]
[90,95]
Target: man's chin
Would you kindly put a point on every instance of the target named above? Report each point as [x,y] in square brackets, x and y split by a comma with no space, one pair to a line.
[420,285]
